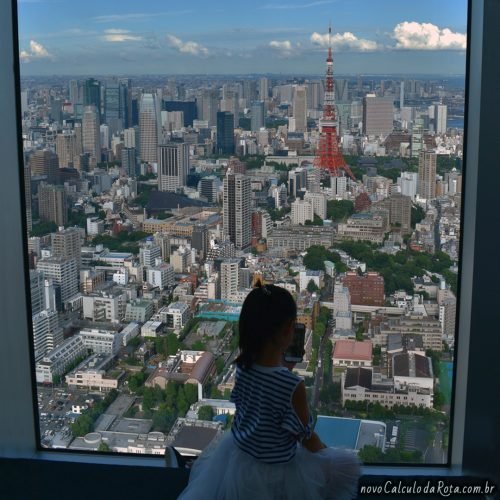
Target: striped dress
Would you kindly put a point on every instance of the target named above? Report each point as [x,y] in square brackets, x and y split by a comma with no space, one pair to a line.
[265,424]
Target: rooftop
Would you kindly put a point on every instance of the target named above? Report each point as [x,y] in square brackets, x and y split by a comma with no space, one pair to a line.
[352,349]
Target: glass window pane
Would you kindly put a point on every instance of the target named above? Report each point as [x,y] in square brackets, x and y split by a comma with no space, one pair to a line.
[173,158]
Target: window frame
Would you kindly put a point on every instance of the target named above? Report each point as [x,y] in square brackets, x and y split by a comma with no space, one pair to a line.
[19,432]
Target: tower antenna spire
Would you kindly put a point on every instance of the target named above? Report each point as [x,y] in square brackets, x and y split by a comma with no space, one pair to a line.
[329,156]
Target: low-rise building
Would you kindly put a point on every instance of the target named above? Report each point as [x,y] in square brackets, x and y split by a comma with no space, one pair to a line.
[352,353]
[91,374]
[175,315]
[139,310]
[151,329]
[362,227]
[102,341]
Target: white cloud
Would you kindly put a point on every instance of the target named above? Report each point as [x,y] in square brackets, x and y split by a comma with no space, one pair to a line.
[427,36]
[189,47]
[36,51]
[345,40]
[111,18]
[284,46]
[117,35]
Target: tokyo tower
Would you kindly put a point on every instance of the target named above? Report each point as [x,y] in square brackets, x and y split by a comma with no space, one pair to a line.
[329,156]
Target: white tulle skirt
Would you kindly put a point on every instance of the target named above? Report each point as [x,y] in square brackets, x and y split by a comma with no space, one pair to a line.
[224,472]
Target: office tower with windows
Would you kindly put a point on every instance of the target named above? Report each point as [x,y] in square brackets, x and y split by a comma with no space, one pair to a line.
[67,147]
[173,166]
[112,112]
[237,209]
[300,108]
[129,137]
[199,239]
[73,93]
[92,94]
[63,273]
[45,162]
[440,118]
[129,161]
[47,333]
[149,118]
[258,117]
[149,253]
[341,90]
[52,204]
[67,243]
[378,115]
[426,187]
[225,133]
[209,106]
[91,142]
[314,95]
[263,89]
[188,109]
[402,95]
[417,137]
[208,187]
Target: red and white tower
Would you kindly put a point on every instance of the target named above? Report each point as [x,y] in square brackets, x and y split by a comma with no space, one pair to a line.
[329,156]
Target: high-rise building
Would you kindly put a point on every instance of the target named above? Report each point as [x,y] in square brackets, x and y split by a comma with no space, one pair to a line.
[67,243]
[173,165]
[149,253]
[229,278]
[237,209]
[225,133]
[91,132]
[47,333]
[300,108]
[188,109]
[258,117]
[112,112]
[318,201]
[378,115]
[417,137]
[209,106]
[68,146]
[199,239]
[263,89]
[208,187]
[149,128]
[52,205]
[129,161]
[63,273]
[341,90]
[302,211]
[408,184]
[45,162]
[440,118]
[426,187]
[74,96]
[92,94]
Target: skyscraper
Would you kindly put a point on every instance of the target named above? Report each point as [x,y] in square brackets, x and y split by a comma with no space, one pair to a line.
[91,142]
[129,161]
[237,209]
[52,204]
[427,175]
[45,162]
[209,106]
[258,117]
[63,273]
[92,94]
[378,115]
[68,146]
[188,109]
[440,118]
[67,243]
[173,165]
[27,197]
[149,127]
[112,115]
[300,108]
[263,89]
[225,133]
[229,278]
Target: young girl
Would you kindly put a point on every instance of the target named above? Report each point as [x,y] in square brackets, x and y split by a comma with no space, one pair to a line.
[271,452]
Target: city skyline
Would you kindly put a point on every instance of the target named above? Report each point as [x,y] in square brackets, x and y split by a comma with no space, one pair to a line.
[277,37]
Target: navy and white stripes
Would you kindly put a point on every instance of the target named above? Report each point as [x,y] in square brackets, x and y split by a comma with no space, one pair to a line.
[265,424]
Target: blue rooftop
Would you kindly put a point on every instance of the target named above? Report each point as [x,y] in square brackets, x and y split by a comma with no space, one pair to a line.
[337,431]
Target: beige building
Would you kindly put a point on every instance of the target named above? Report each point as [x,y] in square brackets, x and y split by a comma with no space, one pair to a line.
[362,227]
[361,384]
[52,205]
[426,187]
[91,374]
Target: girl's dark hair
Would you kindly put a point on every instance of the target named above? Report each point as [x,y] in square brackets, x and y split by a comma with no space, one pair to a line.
[265,311]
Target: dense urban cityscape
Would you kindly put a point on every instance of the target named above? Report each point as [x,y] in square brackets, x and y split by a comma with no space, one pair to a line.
[155,203]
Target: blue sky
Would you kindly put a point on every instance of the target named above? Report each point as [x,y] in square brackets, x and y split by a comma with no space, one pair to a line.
[262,36]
